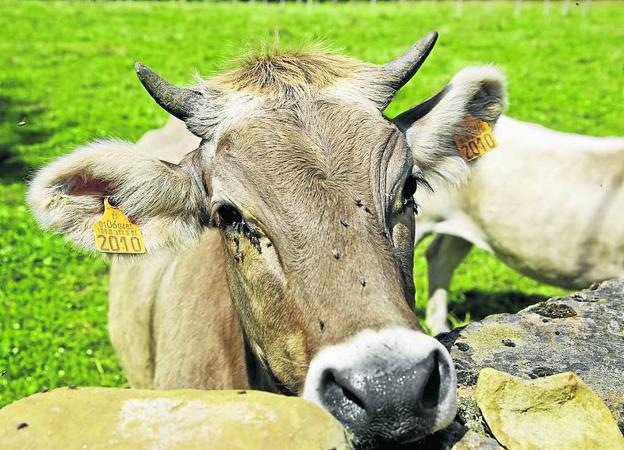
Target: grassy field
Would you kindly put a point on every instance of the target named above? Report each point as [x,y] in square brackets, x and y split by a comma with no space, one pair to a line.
[66,77]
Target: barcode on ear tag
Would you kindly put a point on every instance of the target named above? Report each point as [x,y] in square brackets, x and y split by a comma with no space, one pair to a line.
[114,233]
[475,139]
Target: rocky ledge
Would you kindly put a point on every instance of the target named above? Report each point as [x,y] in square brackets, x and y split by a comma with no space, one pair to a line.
[582,333]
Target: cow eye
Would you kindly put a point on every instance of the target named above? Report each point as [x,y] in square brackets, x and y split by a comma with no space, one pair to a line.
[226,216]
[230,220]
[409,189]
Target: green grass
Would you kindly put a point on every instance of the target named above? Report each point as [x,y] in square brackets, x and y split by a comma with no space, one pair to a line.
[66,71]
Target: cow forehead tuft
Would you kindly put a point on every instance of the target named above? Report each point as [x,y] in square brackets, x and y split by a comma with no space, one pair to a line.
[272,81]
[290,72]
[284,78]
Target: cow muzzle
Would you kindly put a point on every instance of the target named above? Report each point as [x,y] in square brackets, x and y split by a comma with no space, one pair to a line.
[386,387]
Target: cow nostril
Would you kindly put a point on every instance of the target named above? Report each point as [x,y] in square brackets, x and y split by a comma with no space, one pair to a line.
[335,385]
[431,391]
[352,396]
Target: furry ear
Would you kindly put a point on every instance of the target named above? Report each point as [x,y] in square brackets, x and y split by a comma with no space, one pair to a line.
[431,127]
[166,200]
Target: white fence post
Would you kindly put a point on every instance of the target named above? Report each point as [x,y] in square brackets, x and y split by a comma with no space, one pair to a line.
[546,7]
[565,9]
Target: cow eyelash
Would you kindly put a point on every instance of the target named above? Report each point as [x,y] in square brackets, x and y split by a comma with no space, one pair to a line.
[421,181]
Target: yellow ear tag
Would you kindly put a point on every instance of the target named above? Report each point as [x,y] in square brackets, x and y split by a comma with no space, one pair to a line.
[476,139]
[114,233]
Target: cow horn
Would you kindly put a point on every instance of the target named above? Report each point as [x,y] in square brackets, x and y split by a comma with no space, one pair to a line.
[403,68]
[178,102]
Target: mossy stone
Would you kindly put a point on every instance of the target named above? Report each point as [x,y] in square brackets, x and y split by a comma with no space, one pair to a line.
[553,310]
[555,412]
[102,418]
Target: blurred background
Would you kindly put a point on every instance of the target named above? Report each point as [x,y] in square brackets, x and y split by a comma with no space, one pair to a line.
[66,77]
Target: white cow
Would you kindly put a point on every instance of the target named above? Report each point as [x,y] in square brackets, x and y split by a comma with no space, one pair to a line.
[548,204]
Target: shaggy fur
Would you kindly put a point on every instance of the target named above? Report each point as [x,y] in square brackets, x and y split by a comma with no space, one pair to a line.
[290,74]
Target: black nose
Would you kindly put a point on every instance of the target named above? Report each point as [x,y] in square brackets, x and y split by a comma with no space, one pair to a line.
[383,405]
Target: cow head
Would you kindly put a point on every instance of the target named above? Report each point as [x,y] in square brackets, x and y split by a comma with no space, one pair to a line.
[311,187]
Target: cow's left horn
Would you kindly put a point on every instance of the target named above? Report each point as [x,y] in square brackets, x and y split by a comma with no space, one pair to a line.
[178,102]
[403,68]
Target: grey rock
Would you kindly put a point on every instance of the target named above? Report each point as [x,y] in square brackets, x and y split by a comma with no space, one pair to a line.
[582,333]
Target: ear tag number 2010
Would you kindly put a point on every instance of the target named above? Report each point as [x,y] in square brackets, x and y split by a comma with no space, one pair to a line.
[114,233]
[476,139]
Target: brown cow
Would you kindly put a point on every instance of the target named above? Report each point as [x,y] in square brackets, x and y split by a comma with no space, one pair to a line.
[287,233]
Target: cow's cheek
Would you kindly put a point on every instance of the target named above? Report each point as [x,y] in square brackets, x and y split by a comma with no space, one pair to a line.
[287,358]
[272,320]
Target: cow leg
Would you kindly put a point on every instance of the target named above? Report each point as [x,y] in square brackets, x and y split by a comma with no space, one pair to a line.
[443,256]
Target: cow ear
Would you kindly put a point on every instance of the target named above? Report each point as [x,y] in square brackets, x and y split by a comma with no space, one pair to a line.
[433,127]
[165,200]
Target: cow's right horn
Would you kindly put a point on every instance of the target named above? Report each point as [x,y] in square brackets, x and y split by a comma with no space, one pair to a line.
[403,68]
[179,102]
